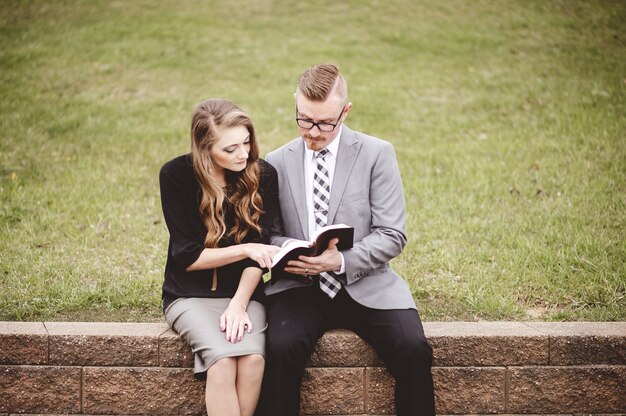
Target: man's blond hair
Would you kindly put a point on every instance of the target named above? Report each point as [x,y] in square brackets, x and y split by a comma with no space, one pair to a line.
[320,81]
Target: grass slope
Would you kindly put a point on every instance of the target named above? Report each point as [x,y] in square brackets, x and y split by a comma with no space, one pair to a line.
[507,118]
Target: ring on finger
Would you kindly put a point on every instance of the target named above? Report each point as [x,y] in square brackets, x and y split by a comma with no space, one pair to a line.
[306,271]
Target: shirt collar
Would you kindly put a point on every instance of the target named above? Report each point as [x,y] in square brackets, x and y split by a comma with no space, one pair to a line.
[333,147]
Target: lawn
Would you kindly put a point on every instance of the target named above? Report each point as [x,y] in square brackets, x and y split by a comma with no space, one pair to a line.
[508,119]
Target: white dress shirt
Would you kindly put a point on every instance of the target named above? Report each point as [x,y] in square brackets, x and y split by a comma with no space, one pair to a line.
[310,164]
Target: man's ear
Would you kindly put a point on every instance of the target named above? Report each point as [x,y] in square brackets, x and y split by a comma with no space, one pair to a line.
[347,110]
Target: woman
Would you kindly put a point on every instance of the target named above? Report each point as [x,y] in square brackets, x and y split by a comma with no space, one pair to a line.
[218,203]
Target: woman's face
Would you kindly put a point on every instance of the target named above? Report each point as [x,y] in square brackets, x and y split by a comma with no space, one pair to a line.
[231,149]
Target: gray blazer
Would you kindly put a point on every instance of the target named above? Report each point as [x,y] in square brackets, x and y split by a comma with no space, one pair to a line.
[367,194]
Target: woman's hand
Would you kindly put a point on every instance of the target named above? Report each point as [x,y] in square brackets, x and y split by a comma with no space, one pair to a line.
[261,253]
[235,321]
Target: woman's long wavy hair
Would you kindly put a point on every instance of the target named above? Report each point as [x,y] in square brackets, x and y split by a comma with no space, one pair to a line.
[242,189]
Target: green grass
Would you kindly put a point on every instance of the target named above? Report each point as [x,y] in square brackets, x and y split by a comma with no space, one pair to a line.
[508,119]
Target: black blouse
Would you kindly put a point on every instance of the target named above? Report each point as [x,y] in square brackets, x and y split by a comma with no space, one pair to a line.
[180,199]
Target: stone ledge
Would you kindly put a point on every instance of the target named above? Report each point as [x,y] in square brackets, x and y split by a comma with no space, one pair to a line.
[487,344]
[579,343]
[454,344]
[479,368]
[104,343]
[23,343]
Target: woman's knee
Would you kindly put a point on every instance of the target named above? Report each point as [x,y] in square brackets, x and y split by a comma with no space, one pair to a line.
[223,370]
[251,362]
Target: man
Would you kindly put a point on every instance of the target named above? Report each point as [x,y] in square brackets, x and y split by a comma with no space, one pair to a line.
[332,175]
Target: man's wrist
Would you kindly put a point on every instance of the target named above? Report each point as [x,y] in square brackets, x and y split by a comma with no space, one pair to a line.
[342,266]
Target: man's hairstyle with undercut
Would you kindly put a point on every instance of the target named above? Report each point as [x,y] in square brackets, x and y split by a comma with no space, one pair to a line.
[318,82]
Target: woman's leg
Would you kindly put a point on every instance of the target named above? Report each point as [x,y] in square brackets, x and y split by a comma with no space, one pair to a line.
[249,377]
[221,391]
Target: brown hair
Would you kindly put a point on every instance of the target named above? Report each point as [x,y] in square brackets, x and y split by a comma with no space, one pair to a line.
[242,188]
[318,82]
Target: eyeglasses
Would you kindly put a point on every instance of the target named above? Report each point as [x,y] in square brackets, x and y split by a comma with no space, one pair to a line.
[308,124]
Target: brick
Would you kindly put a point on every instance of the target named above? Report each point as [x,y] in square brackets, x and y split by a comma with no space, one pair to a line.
[343,348]
[174,351]
[575,389]
[470,344]
[585,343]
[331,391]
[104,344]
[380,391]
[581,350]
[23,343]
[469,390]
[142,391]
[482,391]
[38,389]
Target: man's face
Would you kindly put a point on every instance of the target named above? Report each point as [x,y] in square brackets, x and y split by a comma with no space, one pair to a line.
[328,113]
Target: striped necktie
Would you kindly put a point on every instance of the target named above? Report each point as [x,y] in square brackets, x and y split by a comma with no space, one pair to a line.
[321,198]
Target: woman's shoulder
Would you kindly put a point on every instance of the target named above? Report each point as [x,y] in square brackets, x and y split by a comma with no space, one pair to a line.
[267,170]
[182,163]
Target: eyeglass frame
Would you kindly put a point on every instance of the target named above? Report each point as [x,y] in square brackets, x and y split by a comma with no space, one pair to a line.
[317,124]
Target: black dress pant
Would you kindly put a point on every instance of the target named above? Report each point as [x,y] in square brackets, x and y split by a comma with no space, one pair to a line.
[297,318]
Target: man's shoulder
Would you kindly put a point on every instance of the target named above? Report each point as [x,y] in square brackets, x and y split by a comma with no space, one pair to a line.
[369,146]
[373,140]
[275,155]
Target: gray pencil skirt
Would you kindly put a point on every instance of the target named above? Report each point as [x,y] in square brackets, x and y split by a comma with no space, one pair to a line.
[197,321]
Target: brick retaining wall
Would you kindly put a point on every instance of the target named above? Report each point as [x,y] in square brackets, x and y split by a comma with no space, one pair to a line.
[480,368]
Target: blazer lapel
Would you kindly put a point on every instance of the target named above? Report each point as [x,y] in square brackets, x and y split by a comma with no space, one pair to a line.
[294,159]
[349,147]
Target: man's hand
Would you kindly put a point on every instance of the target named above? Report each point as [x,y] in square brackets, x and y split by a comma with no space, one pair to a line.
[328,261]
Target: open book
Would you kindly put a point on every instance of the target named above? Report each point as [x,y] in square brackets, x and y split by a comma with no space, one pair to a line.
[318,243]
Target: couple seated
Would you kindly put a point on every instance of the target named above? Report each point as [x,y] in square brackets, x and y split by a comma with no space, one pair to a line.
[228,212]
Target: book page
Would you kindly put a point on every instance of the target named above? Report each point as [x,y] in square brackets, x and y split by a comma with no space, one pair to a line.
[289,245]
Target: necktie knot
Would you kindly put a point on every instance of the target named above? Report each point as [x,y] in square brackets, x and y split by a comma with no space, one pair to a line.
[321,154]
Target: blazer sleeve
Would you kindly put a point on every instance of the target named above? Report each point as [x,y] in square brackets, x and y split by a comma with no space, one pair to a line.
[269,192]
[276,232]
[387,238]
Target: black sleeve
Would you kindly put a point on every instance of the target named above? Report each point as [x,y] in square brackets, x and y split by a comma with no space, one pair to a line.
[248,262]
[185,241]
